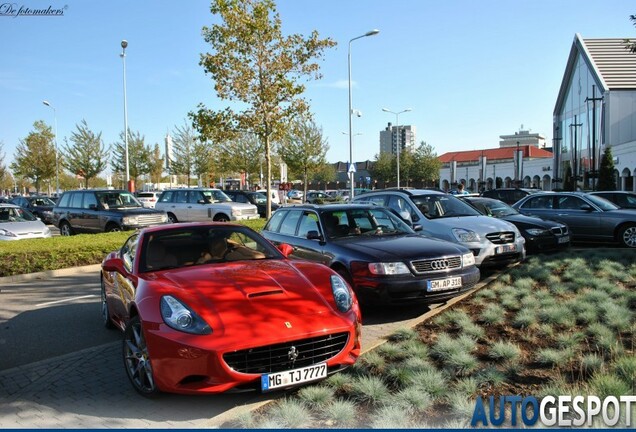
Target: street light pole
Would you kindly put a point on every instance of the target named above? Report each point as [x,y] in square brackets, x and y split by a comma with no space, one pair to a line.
[397,139]
[57,178]
[124,44]
[351,174]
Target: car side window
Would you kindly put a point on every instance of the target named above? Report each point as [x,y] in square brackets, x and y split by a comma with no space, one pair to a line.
[76,200]
[195,196]
[289,224]
[181,197]
[166,197]
[274,222]
[571,203]
[88,200]
[401,205]
[241,199]
[128,251]
[308,222]
[543,202]
[378,199]
[64,200]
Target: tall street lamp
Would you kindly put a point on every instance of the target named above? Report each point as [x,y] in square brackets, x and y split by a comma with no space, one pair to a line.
[397,138]
[57,178]
[351,172]
[130,186]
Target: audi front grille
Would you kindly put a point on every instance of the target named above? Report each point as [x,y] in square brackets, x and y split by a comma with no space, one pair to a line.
[278,358]
[437,265]
[501,237]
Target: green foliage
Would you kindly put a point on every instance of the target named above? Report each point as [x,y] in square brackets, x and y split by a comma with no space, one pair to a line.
[291,413]
[138,156]
[342,413]
[86,156]
[504,350]
[34,157]
[316,395]
[606,179]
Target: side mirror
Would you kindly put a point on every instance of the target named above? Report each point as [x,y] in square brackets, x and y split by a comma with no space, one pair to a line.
[417,227]
[114,265]
[314,235]
[285,249]
[587,207]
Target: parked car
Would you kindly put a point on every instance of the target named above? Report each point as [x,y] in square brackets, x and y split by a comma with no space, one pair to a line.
[318,197]
[95,211]
[509,195]
[250,319]
[441,215]
[203,204]
[590,218]
[541,235]
[382,258]
[274,193]
[40,206]
[622,199]
[148,199]
[17,223]
[248,197]
[295,194]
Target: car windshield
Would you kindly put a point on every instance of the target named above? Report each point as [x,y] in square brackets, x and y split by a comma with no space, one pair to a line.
[437,206]
[259,198]
[13,214]
[41,201]
[216,196]
[603,203]
[498,208]
[117,200]
[362,222]
[199,245]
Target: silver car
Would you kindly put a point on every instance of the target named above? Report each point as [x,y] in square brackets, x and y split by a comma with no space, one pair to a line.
[590,218]
[17,223]
[203,204]
[440,215]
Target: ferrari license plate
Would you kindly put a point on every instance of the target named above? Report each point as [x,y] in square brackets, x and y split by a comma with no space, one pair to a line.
[292,377]
[443,284]
[506,248]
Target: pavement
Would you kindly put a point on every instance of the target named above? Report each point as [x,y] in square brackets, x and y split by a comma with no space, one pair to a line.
[90,389]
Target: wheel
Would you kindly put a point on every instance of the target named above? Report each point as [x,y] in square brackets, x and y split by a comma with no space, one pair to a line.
[172,218]
[65,229]
[105,312]
[113,228]
[627,236]
[221,218]
[137,360]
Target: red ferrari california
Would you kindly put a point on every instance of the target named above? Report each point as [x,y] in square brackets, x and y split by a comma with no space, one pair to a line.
[211,307]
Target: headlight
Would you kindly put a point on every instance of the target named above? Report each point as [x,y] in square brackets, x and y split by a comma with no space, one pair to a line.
[341,294]
[47,231]
[393,268]
[537,231]
[465,236]
[164,217]
[468,259]
[236,212]
[130,220]
[180,317]
[6,233]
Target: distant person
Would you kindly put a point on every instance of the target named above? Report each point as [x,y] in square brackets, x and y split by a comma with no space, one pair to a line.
[460,189]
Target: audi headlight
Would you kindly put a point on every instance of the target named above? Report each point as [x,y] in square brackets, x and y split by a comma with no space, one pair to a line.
[468,259]
[180,317]
[537,231]
[341,294]
[130,220]
[465,236]
[392,268]
[6,233]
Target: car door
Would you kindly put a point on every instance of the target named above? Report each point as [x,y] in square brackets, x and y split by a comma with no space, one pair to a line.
[583,219]
[197,208]
[541,206]
[123,287]
[178,206]
[75,211]
[310,249]
[90,213]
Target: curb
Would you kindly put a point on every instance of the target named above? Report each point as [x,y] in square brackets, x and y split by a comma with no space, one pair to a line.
[49,274]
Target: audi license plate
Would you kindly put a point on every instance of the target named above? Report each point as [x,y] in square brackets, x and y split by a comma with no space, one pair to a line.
[506,248]
[444,284]
[564,239]
[292,377]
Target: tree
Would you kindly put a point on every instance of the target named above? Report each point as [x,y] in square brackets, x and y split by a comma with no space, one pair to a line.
[155,165]
[630,44]
[87,156]
[606,178]
[253,64]
[34,158]
[241,155]
[304,150]
[184,158]
[384,168]
[138,156]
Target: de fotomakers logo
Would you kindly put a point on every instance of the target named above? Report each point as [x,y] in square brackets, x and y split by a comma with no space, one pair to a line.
[15,10]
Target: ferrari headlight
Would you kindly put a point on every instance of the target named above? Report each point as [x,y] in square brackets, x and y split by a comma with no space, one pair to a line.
[341,294]
[6,233]
[180,317]
[391,268]
[465,236]
[468,259]
[537,231]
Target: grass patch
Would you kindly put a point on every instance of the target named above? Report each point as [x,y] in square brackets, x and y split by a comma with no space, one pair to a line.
[492,314]
[504,351]
[370,390]
[341,413]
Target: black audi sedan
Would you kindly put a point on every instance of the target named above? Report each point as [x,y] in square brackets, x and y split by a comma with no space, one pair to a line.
[381,257]
[541,235]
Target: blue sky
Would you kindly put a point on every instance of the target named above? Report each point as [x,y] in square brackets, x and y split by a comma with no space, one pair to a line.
[469,70]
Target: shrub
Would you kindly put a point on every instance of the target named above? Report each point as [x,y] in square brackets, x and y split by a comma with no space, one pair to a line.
[505,351]
[342,413]
[625,368]
[291,414]
[369,389]
[555,357]
[316,395]
[413,398]
[591,363]
[492,314]
[603,385]
[393,416]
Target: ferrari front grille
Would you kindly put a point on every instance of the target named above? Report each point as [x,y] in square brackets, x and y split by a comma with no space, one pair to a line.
[286,355]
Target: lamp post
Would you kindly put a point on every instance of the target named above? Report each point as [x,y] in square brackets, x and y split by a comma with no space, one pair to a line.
[124,44]
[397,139]
[351,173]
[57,178]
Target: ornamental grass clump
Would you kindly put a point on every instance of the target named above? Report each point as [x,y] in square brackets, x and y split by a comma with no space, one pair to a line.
[391,352]
[341,413]
[504,351]
[291,413]
[625,368]
[591,363]
[392,416]
[524,318]
[569,340]
[431,381]
[492,314]
[559,358]
[460,404]
[316,395]
[369,362]
[510,302]
[557,314]
[413,398]
[603,339]
[339,382]
[604,385]
[370,390]
[414,349]
[616,316]
[403,334]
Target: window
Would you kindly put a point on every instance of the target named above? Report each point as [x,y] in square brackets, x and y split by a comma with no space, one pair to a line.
[289,224]
[128,251]
[181,197]
[308,222]
[195,196]
[167,196]
[64,201]
[401,205]
[542,202]
[76,200]
[88,200]
[571,203]
[275,220]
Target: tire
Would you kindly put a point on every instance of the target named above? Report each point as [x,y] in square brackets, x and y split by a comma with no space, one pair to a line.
[172,218]
[65,229]
[627,236]
[106,321]
[137,360]
[112,228]
[221,218]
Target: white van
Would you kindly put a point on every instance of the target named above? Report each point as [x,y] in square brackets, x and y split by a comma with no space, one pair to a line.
[274,192]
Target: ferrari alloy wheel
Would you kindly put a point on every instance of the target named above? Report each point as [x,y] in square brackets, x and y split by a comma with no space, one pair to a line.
[137,360]
[105,312]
